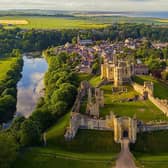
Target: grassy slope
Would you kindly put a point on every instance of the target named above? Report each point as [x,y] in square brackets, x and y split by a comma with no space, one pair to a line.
[160,89]
[55,22]
[88,149]
[144,110]
[151,142]
[153,161]
[85,141]
[151,149]
[5,65]
[49,159]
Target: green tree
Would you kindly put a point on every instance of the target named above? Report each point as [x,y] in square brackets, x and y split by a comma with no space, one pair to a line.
[59,108]
[8,150]
[30,133]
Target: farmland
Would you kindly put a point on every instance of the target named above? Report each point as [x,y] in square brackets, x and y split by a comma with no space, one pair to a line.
[50,23]
[14,22]
[76,22]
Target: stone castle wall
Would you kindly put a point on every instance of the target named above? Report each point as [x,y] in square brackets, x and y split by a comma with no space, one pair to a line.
[148,128]
[157,102]
[160,104]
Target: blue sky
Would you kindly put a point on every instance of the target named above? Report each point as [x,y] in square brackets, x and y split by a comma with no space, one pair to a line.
[110,5]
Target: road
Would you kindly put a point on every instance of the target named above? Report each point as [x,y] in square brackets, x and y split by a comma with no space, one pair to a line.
[125,158]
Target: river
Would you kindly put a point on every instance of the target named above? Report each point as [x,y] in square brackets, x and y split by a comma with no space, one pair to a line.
[30,87]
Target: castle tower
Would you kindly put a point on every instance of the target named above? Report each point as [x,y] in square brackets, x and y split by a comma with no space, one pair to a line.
[118,79]
[132,130]
[115,60]
[89,96]
[149,87]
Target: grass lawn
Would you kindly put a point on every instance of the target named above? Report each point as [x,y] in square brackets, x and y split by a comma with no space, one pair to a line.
[45,22]
[153,161]
[95,81]
[44,158]
[160,88]
[5,66]
[144,110]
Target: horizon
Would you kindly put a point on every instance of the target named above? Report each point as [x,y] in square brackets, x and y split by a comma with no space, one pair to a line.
[87,5]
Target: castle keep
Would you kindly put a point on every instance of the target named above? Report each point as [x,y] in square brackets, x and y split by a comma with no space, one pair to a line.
[118,71]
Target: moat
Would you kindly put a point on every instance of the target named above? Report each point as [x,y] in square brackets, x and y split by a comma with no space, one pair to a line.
[30,87]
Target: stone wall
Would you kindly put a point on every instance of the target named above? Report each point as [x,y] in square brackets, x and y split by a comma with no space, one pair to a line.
[148,128]
[161,104]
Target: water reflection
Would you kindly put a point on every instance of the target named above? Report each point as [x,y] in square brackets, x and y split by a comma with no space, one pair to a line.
[31,84]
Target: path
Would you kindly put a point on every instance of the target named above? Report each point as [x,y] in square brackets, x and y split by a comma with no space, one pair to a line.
[125,158]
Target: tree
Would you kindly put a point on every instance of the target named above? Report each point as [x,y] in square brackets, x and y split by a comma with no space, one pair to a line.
[66,93]
[8,150]
[43,117]
[165,53]
[30,133]
[59,108]
[7,106]
[74,40]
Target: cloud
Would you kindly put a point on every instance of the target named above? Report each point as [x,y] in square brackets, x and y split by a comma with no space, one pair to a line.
[111,5]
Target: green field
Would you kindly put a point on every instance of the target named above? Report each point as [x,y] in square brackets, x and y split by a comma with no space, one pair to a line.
[52,23]
[5,66]
[77,22]
[48,158]
[125,19]
[160,88]
[143,110]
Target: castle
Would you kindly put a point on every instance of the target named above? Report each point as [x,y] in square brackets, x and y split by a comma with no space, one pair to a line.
[118,71]
[121,126]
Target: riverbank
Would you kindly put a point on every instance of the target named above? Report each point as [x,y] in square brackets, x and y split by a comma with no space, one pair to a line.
[8,85]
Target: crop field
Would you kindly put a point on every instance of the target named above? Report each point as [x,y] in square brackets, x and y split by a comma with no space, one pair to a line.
[124,19]
[5,65]
[163,20]
[35,22]
[14,22]
[143,110]
[46,22]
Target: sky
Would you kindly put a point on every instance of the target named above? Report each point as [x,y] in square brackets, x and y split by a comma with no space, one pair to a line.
[88,5]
